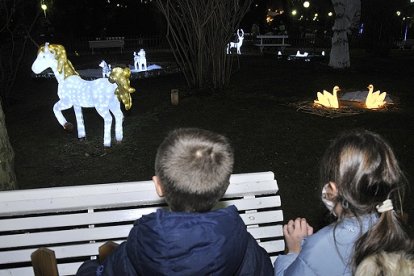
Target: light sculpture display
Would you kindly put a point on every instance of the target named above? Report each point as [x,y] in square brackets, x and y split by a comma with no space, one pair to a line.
[102,94]
[327,99]
[375,99]
[106,69]
[238,44]
[299,54]
[140,61]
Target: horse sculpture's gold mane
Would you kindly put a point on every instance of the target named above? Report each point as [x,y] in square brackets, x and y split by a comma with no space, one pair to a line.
[60,56]
[123,92]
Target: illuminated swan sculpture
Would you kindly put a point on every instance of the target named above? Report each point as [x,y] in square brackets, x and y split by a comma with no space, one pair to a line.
[327,99]
[103,94]
[375,99]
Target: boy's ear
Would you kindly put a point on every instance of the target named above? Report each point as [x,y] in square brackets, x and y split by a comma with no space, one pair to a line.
[158,186]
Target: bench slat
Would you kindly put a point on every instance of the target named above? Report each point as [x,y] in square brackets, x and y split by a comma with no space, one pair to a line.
[119,215]
[91,249]
[273,246]
[108,232]
[262,217]
[108,195]
[111,188]
[266,232]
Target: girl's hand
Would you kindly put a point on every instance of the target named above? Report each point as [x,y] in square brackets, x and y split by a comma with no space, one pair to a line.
[295,231]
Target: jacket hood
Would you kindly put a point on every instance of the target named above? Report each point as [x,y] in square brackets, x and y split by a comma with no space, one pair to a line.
[167,243]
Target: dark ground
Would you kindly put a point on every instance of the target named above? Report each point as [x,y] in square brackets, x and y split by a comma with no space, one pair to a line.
[267,132]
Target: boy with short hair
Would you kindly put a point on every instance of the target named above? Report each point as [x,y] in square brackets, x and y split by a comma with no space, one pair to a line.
[192,171]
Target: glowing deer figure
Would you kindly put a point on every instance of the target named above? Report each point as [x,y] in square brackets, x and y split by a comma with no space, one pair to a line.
[103,94]
[238,44]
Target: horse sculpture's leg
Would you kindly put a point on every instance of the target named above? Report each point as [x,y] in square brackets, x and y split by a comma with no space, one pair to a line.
[57,109]
[79,121]
[119,118]
[106,115]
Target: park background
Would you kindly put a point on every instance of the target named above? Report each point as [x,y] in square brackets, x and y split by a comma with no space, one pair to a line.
[258,110]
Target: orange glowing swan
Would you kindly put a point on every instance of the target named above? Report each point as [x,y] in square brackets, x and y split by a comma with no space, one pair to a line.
[327,99]
[375,99]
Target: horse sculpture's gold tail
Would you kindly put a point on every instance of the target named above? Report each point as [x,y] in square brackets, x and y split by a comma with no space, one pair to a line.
[121,78]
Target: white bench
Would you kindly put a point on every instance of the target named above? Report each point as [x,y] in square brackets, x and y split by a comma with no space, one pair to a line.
[107,43]
[272,41]
[74,221]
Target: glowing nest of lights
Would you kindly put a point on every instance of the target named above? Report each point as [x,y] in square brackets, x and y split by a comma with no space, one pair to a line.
[346,108]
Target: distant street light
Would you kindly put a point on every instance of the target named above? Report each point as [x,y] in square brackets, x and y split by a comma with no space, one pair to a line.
[398,13]
[306,4]
[330,13]
[43,6]
[294,12]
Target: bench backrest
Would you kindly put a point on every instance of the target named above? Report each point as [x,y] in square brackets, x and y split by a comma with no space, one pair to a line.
[106,43]
[74,221]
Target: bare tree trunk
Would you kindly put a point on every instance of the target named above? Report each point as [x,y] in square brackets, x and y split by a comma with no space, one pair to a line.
[347,18]
[15,33]
[7,175]
[198,32]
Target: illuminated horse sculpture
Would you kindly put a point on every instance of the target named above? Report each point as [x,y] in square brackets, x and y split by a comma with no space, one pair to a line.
[103,94]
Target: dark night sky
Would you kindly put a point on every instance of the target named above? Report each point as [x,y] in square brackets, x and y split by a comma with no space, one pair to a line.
[88,18]
[132,17]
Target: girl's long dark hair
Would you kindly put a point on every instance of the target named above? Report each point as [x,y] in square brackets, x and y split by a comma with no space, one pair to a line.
[366,173]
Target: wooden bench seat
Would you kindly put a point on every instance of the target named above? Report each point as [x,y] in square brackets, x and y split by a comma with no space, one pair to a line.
[75,221]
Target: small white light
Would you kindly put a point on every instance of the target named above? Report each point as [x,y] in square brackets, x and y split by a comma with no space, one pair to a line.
[306,4]
[398,13]
[44,7]
[330,13]
[294,12]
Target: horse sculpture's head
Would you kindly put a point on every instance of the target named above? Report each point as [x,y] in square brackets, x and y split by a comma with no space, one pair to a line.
[53,56]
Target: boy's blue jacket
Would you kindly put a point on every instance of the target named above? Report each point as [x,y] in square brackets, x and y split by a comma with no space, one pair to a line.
[178,243]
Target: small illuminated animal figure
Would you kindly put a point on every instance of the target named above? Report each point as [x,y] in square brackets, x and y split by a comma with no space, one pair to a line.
[305,54]
[103,94]
[327,99]
[106,69]
[140,61]
[238,44]
[375,99]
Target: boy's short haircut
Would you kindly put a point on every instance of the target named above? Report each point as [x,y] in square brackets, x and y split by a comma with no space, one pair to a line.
[194,166]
